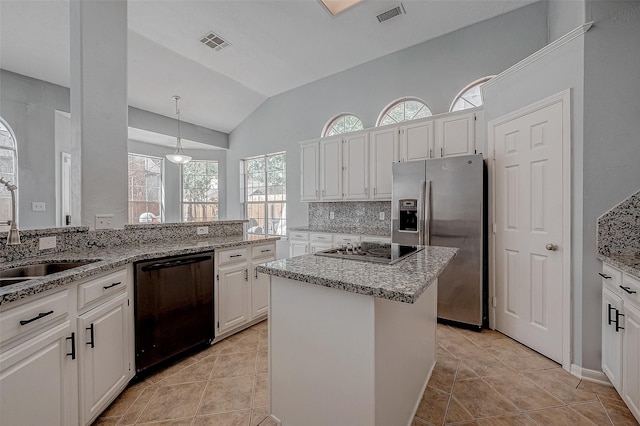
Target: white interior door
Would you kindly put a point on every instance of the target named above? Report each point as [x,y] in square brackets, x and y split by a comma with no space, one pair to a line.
[529,214]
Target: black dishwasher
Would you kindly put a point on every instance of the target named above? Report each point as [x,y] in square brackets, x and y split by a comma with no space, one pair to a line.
[173,307]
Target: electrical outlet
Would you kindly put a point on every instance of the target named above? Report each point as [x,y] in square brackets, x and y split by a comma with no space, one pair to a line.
[381,215]
[202,230]
[104,221]
[332,215]
[47,243]
[38,206]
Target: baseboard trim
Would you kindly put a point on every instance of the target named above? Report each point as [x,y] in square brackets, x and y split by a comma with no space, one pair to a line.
[594,376]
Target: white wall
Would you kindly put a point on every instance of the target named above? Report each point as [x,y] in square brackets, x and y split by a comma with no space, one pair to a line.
[435,71]
[565,15]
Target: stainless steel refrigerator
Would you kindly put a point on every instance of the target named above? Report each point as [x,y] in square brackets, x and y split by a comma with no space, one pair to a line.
[442,202]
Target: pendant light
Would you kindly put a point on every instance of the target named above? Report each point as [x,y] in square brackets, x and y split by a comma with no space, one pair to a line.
[178,157]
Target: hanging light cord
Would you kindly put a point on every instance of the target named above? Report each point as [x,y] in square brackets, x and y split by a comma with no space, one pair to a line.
[179,141]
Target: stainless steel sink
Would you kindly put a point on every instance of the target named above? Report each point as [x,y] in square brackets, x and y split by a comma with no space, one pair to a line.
[26,272]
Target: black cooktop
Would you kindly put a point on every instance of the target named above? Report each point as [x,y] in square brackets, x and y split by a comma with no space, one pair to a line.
[372,252]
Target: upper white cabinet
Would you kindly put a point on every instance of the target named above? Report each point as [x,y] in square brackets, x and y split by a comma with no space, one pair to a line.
[309,171]
[383,151]
[416,140]
[455,134]
[331,169]
[356,166]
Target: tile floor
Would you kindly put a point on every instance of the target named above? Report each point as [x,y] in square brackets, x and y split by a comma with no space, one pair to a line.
[479,379]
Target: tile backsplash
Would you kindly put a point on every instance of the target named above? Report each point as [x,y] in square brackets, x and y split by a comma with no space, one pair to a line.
[354,214]
[619,228]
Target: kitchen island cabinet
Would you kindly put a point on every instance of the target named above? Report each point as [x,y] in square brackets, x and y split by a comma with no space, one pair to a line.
[352,342]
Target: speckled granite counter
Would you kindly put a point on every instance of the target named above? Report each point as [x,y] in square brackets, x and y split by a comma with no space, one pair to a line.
[110,258]
[404,281]
[628,263]
[376,232]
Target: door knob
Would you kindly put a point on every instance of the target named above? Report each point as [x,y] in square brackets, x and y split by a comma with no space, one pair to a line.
[551,247]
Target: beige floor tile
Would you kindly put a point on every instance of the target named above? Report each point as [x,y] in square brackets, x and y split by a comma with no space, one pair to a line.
[196,372]
[268,422]
[106,421]
[560,384]
[227,394]
[236,418]
[513,420]
[443,354]
[484,364]
[418,422]
[600,390]
[247,344]
[175,422]
[136,409]
[260,391]
[173,402]
[457,413]
[465,373]
[126,399]
[561,416]
[263,340]
[530,363]
[619,415]
[231,365]
[258,415]
[160,375]
[611,401]
[480,399]
[433,406]
[593,411]
[262,364]
[443,374]
[522,392]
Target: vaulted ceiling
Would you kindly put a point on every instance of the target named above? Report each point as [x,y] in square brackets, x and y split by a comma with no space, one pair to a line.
[275,46]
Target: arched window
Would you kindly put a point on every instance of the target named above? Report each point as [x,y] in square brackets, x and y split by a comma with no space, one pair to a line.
[8,170]
[402,110]
[343,123]
[470,96]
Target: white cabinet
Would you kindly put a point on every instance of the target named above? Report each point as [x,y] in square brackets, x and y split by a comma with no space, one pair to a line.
[298,243]
[331,169]
[320,241]
[416,141]
[356,167]
[232,276]
[383,148]
[104,358]
[38,381]
[631,359]
[309,171]
[612,337]
[260,282]
[455,134]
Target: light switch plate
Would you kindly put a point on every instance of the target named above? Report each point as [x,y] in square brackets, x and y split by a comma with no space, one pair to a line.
[104,221]
[202,230]
[332,215]
[381,215]
[47,243]
[38,206]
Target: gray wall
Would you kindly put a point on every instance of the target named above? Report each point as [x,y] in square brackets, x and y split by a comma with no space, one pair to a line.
[611,157]
[564,16]
[435,71]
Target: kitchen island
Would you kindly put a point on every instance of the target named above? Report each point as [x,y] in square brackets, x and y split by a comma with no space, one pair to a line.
[350,342]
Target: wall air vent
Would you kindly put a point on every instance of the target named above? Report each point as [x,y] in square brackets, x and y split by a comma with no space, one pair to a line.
[391,13]
[214,41]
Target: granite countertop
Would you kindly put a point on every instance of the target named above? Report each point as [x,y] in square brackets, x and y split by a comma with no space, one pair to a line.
[629,263]
[110,258]
[345,230]
[404,281]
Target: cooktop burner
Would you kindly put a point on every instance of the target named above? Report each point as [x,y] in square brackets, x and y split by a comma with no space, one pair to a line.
[371,252]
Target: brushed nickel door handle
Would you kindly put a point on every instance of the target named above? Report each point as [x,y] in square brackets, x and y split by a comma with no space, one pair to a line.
[551,247]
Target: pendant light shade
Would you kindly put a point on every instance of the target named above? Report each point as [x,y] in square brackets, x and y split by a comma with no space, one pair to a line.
[178,157]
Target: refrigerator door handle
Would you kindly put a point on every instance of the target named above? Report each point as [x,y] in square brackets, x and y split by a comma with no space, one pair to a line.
[427,208]
[421,212]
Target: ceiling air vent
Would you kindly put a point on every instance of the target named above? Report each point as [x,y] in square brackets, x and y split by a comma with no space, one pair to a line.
[391,13]
[214,41]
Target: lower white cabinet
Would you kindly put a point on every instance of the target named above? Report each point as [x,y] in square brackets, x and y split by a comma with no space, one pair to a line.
[612,337]
[242,294]
[301,243]
[631,359]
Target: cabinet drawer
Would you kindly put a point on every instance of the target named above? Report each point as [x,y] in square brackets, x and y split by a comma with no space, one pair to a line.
[630,289]
[101,287]
[232,256]
[345,238]
[299,236]
[33,315]
[380,240]
[611,278]
[318,237]
[263,250]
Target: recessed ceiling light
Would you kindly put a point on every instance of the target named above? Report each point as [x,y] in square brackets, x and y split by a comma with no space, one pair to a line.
[336,6]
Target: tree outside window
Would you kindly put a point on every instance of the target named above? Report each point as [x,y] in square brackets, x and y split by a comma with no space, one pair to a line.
[145,189]
[199,191]
[265,194]
[8,170]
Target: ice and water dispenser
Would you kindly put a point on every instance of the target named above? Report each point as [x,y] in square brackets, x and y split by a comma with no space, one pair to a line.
[408,220]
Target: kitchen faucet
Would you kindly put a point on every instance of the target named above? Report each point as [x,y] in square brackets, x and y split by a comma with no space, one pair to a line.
[14,236]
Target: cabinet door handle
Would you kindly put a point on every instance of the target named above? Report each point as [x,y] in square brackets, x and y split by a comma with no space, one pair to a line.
[618,315]
[256,272]
[611,308]
[628,289]
[605,276]
[37,317]
[265,250]
[73,345]
[92,342]
[235,255]
[441,152]
[430,153]
[246,275]
[112,285]
[374,191]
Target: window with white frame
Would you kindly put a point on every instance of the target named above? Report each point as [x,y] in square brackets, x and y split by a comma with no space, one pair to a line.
[265,193]
[145,189]
[403,110]
[470,96]
[343,123]
[8,170]
[199,191]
